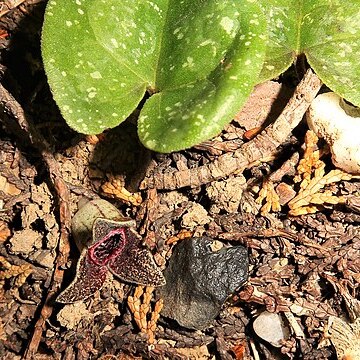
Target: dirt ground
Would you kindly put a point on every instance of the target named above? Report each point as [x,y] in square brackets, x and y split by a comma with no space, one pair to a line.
[303,253]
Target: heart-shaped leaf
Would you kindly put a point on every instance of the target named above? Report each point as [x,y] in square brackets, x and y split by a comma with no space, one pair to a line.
[199,60]
[326,31]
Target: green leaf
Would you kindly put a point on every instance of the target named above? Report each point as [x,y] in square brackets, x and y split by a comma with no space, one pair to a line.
[200,60]
[326,31]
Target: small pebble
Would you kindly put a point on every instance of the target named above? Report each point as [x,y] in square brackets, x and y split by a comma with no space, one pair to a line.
[271,328]
[199,280]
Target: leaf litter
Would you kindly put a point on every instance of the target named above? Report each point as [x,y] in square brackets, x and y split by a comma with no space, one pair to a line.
[304,268]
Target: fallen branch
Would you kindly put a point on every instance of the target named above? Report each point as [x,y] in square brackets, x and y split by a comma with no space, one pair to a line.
[15,112]
[262,147]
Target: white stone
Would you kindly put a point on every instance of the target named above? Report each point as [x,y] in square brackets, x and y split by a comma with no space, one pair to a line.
[270,327]
[338,122]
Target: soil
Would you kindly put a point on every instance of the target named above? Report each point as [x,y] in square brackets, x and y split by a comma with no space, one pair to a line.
[304,267]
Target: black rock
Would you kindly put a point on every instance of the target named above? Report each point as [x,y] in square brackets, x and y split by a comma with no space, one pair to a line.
[199,280]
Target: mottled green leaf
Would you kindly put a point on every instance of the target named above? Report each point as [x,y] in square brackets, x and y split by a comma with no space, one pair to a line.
[326,31]
[200,60]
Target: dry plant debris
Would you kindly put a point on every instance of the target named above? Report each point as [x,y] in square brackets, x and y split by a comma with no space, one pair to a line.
[145,317]
[196,353]
[2,331]
[71,315]
[226,195]
[115,188]
[272,202]
[311,159]
[7,187]
[4,231]
[312,177]
[8,6]
[24,122]
[263,106]
[345,337]
[352,304]
[20,272]
[283,193]
[310,199]
[311,171]
[183,234]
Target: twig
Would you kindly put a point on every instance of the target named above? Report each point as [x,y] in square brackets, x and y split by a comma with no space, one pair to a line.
[261,147]
[15,111]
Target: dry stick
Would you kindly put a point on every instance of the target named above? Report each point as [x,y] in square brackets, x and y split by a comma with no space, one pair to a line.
[261,147]
[8,102]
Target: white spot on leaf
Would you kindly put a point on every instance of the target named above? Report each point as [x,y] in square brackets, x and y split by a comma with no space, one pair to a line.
[189,62]
[227,24]
[151,143]
[114,42]
[96,75]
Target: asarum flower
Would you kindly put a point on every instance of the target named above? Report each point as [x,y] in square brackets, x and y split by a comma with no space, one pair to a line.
[108,242]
